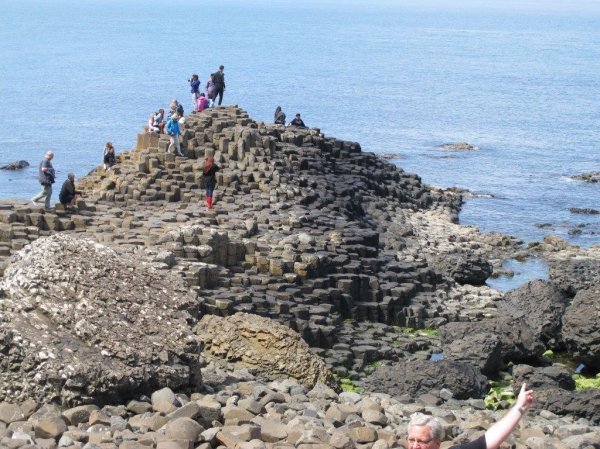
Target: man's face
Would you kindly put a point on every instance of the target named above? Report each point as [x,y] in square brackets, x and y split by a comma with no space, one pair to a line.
[420,437]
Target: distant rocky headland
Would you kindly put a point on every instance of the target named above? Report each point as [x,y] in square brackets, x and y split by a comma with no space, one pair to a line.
[144,319]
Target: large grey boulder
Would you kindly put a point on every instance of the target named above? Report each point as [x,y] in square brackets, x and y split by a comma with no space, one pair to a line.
[581,327]
[419,377]
[463,267]
[263,346]
[575,274]
[542,304]
[83,323]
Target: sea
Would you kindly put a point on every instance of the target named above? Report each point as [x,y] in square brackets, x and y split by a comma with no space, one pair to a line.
[520,80]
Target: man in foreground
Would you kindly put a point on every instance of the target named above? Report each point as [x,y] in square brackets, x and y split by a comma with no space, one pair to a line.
[425,432]
[46,177]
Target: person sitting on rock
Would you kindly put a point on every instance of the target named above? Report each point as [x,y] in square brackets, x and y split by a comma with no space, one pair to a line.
[202,103]
[298,121]
[110,158]
[279,118]
[210,179]
[156,123]
[425,431]
[68,194]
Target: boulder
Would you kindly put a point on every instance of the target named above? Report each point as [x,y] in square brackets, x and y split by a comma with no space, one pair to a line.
[85,323]
[263,346]
[17,165]
[542,303]
[591,177]
[418,377]
[574,274]
[582,403]
[517,341]
[463,267]
[581,328]
[458,146]
[543,378]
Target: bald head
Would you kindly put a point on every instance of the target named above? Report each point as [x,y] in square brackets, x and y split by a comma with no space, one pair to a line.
[49,155]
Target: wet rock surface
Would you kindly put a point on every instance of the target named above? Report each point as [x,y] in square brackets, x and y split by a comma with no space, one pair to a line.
[17,165]
[591,177]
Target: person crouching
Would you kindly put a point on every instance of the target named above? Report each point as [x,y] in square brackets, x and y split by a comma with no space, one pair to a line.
[68,194]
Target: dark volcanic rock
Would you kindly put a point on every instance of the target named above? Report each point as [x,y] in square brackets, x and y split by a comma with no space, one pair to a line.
[464,268]
[421,376]
[575,274]
[584,211]
[591,177]
[82,323]
[480,349]
[581,327]
[584,403]
[542,303]
[543,378]
[17,165]
[517,340]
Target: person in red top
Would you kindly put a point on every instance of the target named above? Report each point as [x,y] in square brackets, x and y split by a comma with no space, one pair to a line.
[425,432]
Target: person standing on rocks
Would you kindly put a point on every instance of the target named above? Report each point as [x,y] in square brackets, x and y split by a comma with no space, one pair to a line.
[210,90]
[425,431]
[195,89]
[46,178]
[219,83]
[210,179]
[173,131]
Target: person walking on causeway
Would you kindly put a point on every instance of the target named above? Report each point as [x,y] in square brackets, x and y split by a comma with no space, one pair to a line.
[210,179]
[173,131]
[46,177]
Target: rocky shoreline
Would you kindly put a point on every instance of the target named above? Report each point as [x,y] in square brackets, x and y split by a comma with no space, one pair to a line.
[312,242]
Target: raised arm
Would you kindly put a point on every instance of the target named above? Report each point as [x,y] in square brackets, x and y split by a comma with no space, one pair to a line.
[496,434]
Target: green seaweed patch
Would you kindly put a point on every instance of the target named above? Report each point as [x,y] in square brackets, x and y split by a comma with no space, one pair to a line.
[586,382]
[348,384]
[500,396]
[423,332]
[549,353]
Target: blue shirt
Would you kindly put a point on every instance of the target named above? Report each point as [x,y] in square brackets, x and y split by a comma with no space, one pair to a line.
[173,127]
[195,84]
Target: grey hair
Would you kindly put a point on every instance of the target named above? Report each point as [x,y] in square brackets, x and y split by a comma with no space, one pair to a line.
[420,420]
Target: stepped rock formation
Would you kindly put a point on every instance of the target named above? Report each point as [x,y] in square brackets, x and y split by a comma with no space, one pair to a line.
[334,243]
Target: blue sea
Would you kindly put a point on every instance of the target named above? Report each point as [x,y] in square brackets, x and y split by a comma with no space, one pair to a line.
[518,79]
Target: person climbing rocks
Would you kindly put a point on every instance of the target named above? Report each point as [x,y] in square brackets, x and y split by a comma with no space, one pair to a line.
[210,179]
[68,193]
[173,131]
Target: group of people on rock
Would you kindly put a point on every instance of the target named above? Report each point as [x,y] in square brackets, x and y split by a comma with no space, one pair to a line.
[279,119]
[214,89]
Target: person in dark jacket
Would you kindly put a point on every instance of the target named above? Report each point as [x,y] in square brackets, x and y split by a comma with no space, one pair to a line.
[110,158]
[219,83]
[210,179]
[298,121]
[68,194]
[279,118]
[195,89]
[46,176]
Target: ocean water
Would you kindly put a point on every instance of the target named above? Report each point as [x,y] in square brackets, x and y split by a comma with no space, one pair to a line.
[518,79]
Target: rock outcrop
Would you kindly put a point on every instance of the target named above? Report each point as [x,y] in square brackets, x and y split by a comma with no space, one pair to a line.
[581,328]
[17,165]
[267,349]
[81,322]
